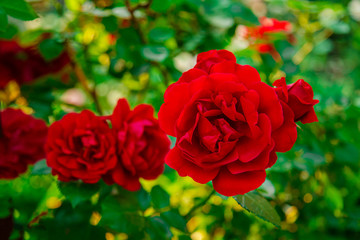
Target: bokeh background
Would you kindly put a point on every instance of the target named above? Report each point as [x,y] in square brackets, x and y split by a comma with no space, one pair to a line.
[135,49]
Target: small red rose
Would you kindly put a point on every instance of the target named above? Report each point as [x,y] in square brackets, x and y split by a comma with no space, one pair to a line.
[80,146]
[141,145]
[299,96]
[22,140]
[227,123]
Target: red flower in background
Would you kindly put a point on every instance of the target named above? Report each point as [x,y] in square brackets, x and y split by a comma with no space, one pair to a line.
[25,64]
[80,146]
[228,124]
[22,140]
[141,145]
[261,37]
[268,26]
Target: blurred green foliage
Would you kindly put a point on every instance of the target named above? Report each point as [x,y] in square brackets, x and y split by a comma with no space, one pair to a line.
[135,49]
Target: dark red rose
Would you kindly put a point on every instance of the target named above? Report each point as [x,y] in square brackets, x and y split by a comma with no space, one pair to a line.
[80,146]
[22,140]
[300,98]
[25,64]
[141,145]
[227,123]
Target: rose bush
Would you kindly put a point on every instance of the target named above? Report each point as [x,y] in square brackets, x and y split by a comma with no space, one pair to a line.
[22,140]
[141,145]
[80,146]
[227,123]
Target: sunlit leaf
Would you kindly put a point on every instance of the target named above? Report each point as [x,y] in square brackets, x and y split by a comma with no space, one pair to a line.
[258,205]
[159,197]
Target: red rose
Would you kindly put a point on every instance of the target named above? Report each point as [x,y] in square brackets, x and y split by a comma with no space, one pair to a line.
[273,25]
[25,64]
[261,37]
[22,140]
[80,146]
[300,98]
[266,27]
[141,145]
[227,123]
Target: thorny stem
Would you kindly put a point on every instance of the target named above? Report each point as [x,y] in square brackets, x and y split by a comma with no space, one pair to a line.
[200,204]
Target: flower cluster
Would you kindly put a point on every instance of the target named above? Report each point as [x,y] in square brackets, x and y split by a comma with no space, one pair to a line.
[22,140]
[25,64]
[261,37]
[228,124]
[83,146]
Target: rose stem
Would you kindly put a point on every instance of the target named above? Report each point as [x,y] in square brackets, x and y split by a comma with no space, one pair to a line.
[200,204]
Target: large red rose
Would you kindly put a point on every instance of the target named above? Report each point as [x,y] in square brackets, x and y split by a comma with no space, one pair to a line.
[228,124]
[141,145]
[22,140]
[300,98]
[25,64]
[80,146]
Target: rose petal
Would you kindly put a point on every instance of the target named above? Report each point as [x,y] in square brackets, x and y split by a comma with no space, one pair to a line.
[229,184]
[120,113]
[184,168]
[248,149]
[269,104]
[286,135]
[175,98]
[259,163]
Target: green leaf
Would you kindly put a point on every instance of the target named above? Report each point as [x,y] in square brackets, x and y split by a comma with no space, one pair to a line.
[258,205]
[340,28]
[77,192]
[155,53]
[159,229]
[175,220]
[160,6]
[110,23]
[4,207]
[9,32]
[121,215]
[161,34]
[333,198]
[144,199]
[159,197]
[242,11]
[19,9]
[3,19]
[51,48]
